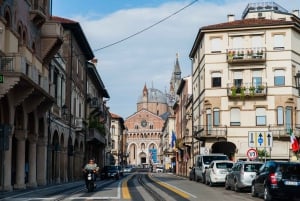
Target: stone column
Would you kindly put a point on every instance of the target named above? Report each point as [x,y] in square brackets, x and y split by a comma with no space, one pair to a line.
[7,167]
[32,161]
[20,162]
[42,162]
[57,165]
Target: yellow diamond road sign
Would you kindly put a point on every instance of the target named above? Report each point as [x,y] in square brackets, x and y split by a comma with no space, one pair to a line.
[260,139]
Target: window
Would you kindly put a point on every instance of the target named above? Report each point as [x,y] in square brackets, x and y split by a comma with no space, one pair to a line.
[256,41]
[288,118]
[260,116]
[238,80]
[278,42]
[209,121]
[279,115]
[216,116]
[257,80]
[216,79]
[235,117]
[216,45]
[237,42]
[279,79]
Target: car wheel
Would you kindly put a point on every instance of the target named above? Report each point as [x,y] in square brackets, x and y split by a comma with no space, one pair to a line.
[227,187]
[236,188]
[203,178]
[253,191]
[267,196]
[210,183]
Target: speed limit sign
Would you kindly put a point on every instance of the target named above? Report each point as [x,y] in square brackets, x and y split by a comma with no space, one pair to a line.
[252,154]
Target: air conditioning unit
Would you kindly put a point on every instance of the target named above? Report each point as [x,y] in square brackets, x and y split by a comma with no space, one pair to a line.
[79,123]
[94,102]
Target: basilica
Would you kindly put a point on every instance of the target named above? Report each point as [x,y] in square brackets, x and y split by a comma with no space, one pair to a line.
[143,133]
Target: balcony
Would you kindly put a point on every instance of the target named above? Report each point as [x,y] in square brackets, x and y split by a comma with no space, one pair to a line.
[95,136]
[247,90]
[284,131]
[202,132]
[246,55]
[23,77]
[37,13]
[51,39]
[187,140]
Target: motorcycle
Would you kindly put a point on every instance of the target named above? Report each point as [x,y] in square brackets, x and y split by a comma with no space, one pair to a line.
[90,180]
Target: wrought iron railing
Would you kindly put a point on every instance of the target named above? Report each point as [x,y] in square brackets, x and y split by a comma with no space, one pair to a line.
[210,131]
[247,89]
[246,54]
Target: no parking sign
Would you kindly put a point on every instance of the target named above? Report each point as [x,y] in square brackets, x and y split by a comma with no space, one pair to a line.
[252,154]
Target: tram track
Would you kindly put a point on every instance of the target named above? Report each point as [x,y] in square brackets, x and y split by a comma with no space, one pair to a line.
[141,184]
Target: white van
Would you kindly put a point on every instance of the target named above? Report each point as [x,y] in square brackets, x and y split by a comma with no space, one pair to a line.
[203,161]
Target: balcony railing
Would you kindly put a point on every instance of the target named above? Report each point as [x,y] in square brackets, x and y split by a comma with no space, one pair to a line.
[247,90]
[187,140]
[18,64]
[206,131]
[240,55]
[284,130]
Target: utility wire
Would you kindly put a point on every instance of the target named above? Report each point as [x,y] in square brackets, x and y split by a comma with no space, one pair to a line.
[147,28]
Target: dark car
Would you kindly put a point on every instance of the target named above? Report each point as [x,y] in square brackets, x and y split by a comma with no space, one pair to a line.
[110,171]
[277,179]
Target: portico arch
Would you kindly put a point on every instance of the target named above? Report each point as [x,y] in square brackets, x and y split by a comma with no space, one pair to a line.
[226,147]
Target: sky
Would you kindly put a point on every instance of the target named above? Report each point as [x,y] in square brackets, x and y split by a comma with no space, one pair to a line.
[136,41]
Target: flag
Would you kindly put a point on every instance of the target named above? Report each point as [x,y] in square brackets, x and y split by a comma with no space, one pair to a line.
[294,142]
[173,140]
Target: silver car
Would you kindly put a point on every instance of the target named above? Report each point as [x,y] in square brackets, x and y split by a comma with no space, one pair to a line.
[241,175]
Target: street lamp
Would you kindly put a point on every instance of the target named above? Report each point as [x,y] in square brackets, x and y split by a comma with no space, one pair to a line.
[297,79]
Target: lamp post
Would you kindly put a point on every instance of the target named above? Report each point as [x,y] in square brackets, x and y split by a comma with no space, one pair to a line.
[297,80]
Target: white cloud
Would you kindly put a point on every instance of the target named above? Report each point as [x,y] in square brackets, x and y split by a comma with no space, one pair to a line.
[149,57]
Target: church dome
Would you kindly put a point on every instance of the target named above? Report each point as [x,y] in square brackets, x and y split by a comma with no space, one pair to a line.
[154,96]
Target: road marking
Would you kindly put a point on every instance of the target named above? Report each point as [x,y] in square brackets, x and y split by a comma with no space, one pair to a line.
[175,189]
[125,190]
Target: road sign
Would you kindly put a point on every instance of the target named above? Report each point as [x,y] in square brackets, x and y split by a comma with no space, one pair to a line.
[1,78]
[260,139]
[252,154]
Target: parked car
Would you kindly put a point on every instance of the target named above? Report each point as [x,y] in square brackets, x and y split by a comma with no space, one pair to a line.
[203,161]
[128,169]
[241,175]
[217,171]
[110,171]
[277,179]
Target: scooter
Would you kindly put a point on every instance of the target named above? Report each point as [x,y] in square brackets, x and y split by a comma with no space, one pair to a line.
[90,180]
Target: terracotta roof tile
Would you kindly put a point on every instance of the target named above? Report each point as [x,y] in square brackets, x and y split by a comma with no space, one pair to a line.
[62,20]
[247,23]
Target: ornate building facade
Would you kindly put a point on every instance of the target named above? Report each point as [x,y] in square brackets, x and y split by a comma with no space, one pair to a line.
[144,129]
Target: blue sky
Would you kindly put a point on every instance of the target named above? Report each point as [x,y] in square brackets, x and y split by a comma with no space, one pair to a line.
[149,57]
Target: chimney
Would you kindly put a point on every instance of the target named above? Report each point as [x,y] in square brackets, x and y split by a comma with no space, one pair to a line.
[296,12]
[230,17]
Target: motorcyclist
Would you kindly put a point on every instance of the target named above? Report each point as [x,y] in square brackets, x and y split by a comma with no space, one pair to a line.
[91,165]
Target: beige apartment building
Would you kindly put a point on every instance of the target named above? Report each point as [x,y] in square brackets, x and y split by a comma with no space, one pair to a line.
[244,88]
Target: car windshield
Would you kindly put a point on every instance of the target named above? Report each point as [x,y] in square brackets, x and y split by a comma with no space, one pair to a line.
[208,159]
[252,167]
[224,165]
